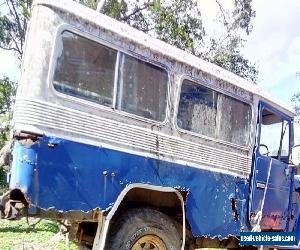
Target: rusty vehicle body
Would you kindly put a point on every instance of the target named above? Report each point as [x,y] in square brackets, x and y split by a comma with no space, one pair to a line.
[109,120]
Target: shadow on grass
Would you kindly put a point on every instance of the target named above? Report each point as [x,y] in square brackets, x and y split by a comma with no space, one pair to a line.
[47,226]
[40,227]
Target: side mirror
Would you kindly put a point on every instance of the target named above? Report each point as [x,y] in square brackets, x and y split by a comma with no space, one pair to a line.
[296,155]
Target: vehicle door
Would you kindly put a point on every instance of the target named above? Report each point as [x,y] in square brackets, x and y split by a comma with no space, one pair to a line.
[271,177]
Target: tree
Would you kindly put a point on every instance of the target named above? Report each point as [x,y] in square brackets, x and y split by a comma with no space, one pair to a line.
[176,22]
[7,92]
[296,101]
[13,25]
[179,23]
[225,50]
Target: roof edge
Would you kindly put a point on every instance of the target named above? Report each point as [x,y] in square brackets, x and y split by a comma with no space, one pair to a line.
[161,47]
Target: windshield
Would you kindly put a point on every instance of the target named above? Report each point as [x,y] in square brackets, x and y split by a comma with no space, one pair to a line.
[274,139]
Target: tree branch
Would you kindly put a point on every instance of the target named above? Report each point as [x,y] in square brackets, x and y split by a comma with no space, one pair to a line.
[143,7]
[17,48]
[223,12]
[8,48]
[19,26]
[17,29]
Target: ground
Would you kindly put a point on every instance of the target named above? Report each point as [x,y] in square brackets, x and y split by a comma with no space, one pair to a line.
[15,235]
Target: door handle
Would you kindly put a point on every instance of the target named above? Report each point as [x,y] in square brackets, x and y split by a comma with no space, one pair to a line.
[260,185]
[287,171]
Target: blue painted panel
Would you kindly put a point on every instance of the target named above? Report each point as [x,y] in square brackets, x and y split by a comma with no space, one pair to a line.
[279,186]
[74,176]
[295,225]
[22,170]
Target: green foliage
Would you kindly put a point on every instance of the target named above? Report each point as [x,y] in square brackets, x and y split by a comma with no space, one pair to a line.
[243,15]
[7,93]
[13,25]
[296,101]
[25,9]
[179,23]
[227,55]
[117,9]
[3,184]
[225,50]
[6,27]
[176,22]
[89,3]
[19,235]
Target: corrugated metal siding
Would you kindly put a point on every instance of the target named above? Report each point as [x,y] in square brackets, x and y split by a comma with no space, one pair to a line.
[47,115]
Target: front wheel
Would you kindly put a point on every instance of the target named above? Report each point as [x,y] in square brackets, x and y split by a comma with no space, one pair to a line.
[144,228]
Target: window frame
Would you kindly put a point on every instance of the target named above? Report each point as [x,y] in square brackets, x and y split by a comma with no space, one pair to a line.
[264,105]
[221,91]
[112,109]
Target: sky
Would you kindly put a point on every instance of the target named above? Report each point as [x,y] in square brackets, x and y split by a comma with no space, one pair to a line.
[273,45]
[8,65]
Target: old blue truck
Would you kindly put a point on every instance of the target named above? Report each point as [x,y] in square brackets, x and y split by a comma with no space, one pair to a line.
[139,145]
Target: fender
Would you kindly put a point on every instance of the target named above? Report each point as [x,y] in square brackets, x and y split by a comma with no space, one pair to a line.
[102,230]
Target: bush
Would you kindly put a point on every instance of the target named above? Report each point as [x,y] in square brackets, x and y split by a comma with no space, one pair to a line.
[3,183]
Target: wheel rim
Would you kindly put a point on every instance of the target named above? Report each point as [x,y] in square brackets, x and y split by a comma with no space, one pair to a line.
[149,242]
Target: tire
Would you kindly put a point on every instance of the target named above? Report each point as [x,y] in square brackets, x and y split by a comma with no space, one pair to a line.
[144,228]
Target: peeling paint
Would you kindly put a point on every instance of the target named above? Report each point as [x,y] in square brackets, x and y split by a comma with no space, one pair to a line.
[62,189]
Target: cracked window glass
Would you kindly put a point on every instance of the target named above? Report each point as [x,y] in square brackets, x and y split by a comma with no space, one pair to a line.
[213,114]
[85,69]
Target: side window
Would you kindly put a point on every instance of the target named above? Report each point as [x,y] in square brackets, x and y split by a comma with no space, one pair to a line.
[142,88]
[274,136]
[85,69]
[210,113]
[88,70]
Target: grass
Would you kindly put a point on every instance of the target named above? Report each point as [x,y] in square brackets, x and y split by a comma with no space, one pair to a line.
[15,235]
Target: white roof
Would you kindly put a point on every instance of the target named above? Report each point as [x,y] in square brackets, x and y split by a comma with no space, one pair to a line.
[161,47]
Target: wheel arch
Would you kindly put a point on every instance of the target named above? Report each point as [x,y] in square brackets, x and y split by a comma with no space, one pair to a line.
[133,191]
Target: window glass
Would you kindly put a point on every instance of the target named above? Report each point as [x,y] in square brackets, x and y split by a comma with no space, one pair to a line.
[274,135]
[142,88]
[85,69]
[213,114]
